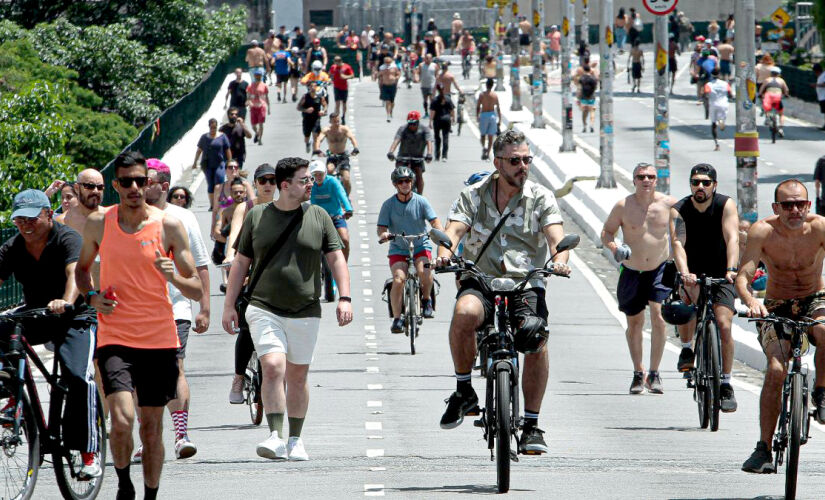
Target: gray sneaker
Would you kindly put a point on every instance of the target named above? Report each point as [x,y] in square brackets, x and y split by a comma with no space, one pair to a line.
[760,461]
[653,384]
[638,384]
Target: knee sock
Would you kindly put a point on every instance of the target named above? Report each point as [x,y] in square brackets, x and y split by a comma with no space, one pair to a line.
[181,421]
[726,378]
[464,383]
[150,493]
[276,423]
[531,418]
[124,482]
[295,426]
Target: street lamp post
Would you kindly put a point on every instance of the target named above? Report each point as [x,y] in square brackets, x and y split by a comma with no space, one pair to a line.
[568,33]
[515,84]
[746,140]
[585,29]
[500,46]
[538,31]
[661,142]
[606,178]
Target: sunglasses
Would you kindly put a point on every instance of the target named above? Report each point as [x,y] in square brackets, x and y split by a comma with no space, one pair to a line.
[92,186]
[404,181]
[126,182]
[641,177]
[704,182]
[303,180]
[265,180]
[179,197]
[790,205]
[517,160]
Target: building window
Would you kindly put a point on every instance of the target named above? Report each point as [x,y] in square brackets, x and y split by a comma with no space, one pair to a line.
[321,18]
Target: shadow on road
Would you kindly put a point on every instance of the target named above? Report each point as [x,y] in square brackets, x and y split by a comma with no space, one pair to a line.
[765,497]
[462,488]
[668,429]
[225,427]
[776,179]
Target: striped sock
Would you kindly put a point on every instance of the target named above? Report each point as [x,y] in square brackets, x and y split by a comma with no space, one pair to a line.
[464,382]
[531,418]
[726,378]
[181,421]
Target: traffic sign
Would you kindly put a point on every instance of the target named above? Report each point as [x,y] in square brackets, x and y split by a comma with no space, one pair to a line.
[660,7]
[780,17]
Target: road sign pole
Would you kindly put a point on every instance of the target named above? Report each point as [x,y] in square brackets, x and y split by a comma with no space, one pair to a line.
[500,45]
[606,54]
[585,29]
[661,142]
[568,33]
[538,32]
[746,141]
[515,63]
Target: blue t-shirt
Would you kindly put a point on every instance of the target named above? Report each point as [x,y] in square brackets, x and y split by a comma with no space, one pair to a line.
[281,62]
[408,218]
[708,65]
[330,196]
[214,151]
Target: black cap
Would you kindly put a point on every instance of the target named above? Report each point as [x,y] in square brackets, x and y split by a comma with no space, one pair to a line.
[704,169]
[264,169]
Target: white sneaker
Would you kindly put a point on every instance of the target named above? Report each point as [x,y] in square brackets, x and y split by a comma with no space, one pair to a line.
[91,470]
[184,448]
[138,457]
[273,448]
[295,449]
[236,392]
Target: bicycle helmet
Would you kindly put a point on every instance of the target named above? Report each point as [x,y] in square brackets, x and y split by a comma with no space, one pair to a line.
[676,312]
[484,39]
[531,336]
[413,116]
[456,16]
[402,173]
[317,65]
[476,177]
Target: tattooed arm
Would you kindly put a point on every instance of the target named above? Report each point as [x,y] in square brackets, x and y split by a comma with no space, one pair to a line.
[678,238]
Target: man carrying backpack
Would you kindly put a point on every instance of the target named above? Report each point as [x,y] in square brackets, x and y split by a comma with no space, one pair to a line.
[588,83]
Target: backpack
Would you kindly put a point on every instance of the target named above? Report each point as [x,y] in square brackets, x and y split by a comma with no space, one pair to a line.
[588,84]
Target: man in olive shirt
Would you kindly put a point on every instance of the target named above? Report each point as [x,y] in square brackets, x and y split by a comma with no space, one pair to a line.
[284,326]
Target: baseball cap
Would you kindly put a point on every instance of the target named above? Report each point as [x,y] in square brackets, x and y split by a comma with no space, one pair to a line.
[29,203]
[157,165]
[703,169]
[264,169]
[317,166]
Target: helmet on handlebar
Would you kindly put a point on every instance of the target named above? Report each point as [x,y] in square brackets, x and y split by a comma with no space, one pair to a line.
[476,177]
[402,173]
[676,312]
[531,336]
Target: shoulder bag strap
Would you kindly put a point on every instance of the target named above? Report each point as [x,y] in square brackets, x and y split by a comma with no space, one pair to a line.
[273,250]
[492,235]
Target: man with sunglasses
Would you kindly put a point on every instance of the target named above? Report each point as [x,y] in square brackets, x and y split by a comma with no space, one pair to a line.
[42,257]
[644,218]
[791,244]
[412,140]
[235,129]
[284,326]
[89,188]
[533,226]
[704,233]
[141,251]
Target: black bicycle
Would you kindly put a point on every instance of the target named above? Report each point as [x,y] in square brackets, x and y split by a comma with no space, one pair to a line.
[466,64]
[27,437]
[252,389]
[795,417]
[459,112]
[500,417]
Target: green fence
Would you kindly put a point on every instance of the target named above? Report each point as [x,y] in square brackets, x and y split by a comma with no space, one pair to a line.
[11,293]
[799,82]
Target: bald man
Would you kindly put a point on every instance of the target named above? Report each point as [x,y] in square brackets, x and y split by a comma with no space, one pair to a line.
[89,188]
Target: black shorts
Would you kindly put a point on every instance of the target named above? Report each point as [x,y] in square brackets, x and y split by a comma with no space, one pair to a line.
[340,94]
[219,252]
[822,106]
[341,162]
[531,302]
[151,373]
[636,69]
[637,288]
[388,92]
[279,78]
[524,39]
[183,335]
[295,73]
[671,64]
[311,125]
[724,295]
[413,164]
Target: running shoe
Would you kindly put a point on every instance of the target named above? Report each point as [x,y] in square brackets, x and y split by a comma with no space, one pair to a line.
[637,386]
[236,392]
[818,400]
[184,448]
[90,468]
[760,461]
[273,448]
[138,456]
[686,358]
[397,325]
[459,405]
[653,384]
[728,398]
[532,441]
[427,309]
[295,449]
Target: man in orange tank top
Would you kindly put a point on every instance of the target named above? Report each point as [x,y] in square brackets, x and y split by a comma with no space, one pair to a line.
[141,250]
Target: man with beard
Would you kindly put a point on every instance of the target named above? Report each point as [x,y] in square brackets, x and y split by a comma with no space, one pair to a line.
[237,133]
[704,231]
[791,244]
[89,188]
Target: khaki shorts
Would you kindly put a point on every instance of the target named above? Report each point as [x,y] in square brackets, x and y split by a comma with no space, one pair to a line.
[793,309]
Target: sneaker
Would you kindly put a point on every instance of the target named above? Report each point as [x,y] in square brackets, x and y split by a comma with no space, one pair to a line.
[255,139]
[294,98]
[138,456]
[760,461]
[307,146]
[728,398]
[458,405]
[716,147]
[532,441]
[236,392]
[397,325]
[90,468]
[427,308]
[184,448]
[279,97]
[295,449]
[781,132]
[686,358]
[638,384]
[444,158]
[653,384]
[273,448]
[591,130]
[818,400]
[584,129]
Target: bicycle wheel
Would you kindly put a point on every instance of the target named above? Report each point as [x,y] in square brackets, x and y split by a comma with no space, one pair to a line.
[795,437]
[714,375]
[252,388]
[412,313]
[67,463]
[20,453]
[700,380]
[774,128]
[503,434]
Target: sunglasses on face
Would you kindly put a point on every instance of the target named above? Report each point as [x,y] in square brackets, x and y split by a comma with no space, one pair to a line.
[704,182]
[178,196]
[517,160]
[92,186]
[126,182]
[302,180]
[404,181]
[641,177]
[790,205]
[265,180]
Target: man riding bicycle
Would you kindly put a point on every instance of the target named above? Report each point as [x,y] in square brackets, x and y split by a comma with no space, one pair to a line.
[317,75]
[329,195]
[533,225]
[408,213]
[704,230]
[413,138]
[771,92]
[42,257]
[337,157]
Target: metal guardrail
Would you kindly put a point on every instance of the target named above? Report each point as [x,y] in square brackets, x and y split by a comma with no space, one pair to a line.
[11,293]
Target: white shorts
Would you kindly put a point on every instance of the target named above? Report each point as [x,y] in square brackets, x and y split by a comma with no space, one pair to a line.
[295,337]
[718,113]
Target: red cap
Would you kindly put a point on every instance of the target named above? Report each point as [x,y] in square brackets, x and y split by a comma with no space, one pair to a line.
[700,38]
[316,41]
[398,39]
[413,116]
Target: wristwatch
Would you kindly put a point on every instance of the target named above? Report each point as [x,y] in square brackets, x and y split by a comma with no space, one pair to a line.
[345,299]
[89,295]
[733,269]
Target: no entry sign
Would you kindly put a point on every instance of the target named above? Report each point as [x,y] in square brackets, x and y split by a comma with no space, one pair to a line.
[660,7]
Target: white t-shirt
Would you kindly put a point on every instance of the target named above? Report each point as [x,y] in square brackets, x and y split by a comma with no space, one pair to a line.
[717,91]
[181,306]
[428,75]
[820,91]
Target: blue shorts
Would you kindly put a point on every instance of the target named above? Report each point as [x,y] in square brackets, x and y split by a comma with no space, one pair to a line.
[214,177]
[488,123]
[339,222]
[724,67]
[588,102]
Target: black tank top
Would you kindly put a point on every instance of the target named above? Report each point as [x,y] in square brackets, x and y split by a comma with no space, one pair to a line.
[705,246]
[430,47]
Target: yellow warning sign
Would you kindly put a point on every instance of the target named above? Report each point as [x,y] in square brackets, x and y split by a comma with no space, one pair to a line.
[515,8]
[780,17]
[608,35]
[661,59]
[565,27]
[536,19]
[491,4]
[751,89]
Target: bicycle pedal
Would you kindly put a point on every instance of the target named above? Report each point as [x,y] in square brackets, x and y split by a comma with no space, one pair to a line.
[479,422]
[473,412]
[514,456]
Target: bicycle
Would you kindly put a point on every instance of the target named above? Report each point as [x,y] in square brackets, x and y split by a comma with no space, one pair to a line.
[25,426]
[500,418]
[252,389]
[466,64]
[406,69]
[795,418]
[459,112]
[772,120]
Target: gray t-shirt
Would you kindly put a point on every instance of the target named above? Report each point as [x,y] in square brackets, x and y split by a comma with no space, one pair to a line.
[413,143]
[291,283]
[428,75]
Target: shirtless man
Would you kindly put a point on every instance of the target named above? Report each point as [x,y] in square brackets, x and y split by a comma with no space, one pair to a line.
[337,136]
[466,43]
[89,188]
[447,80]
[525,33]
[488,116]
[791,243]
[644,218]
[256,58]
[388,76]
[725,60]
[456,27]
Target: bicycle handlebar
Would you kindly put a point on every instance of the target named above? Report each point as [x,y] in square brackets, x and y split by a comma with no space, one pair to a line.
[40,312]
[410,238]
[465,266]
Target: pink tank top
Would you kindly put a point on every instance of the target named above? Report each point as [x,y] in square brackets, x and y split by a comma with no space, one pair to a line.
[143,317]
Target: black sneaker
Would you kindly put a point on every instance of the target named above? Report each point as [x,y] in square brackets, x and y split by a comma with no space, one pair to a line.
[459,405]
[638,384]
[818,400]
[686,358]
[397,325]
[532,441]
[653,384]
[760,461]
[728,398]
[427,309]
